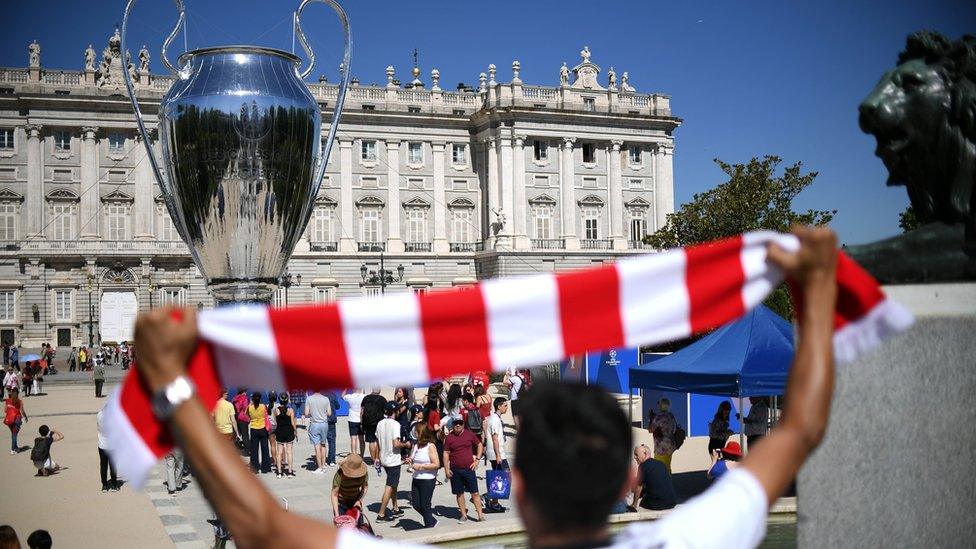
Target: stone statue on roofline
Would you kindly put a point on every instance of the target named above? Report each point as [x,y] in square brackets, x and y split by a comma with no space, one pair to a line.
[90,58]
[144,59]
[923,115]
[34,54]
[564,75]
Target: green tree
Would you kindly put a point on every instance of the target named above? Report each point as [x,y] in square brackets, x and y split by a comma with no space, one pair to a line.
[753,198]
[907,220]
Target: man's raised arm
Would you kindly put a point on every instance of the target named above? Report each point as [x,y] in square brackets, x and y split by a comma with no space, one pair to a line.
[776,459]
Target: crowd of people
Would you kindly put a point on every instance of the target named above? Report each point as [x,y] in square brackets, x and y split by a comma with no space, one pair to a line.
[38,539]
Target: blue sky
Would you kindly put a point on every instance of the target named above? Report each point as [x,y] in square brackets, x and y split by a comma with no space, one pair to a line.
[748,78]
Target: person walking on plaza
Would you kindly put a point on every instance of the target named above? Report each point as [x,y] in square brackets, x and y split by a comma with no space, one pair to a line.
[330,458]
[14,416]
[269,425]
[718,428]
[349,485]
[6,355]
[11,381]
[654,488]
[41,451]
[515,381]
[258,414]
[174,472]
[296,399]
[318,409]
[104,463]
[495,447]
[756,421]
[224,418]
[662,429]
[462,452]
[27,379]
[15,357]
[371,414]
[72,359]
[355,402]
[285,426]
[240,403]
[98,376]
[389,444]
[424,462]
[83,358]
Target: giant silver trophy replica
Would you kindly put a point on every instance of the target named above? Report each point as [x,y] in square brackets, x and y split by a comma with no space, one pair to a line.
[241,148]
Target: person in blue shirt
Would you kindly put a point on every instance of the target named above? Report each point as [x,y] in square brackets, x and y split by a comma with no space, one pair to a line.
[724,459]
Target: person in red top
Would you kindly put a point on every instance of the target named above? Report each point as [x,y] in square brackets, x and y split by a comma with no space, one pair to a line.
[462,452]
[14,415]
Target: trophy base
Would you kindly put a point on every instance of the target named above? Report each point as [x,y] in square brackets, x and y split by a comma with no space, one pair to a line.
[242,291]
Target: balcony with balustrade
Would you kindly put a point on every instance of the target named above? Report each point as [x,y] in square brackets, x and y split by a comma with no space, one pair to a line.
[416,246]
[371,246]
[594,244]
[547,244]
[324,246]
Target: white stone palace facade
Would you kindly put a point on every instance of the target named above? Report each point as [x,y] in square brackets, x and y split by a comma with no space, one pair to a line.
[493,179]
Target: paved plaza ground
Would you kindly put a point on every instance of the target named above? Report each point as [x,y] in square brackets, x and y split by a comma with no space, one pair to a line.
[72,507]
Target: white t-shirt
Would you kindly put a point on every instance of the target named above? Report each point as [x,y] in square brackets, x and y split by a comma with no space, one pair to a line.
[355,401]
[387,430]
[102,440]
[513,392]
[495,427]
[732,513]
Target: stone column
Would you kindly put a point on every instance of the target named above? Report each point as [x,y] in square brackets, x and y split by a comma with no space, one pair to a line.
[494,203]
[441,244]
[143,207]
[616,196]
[568,195]
[520,214]
[506,177]
[394,242]
[663,183]
[347,240]
[90,194]
[34,202]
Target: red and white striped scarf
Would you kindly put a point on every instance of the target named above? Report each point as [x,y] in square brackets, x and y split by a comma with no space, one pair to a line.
[410,340]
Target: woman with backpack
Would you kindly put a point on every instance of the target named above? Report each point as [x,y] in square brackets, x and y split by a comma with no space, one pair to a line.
[14,415]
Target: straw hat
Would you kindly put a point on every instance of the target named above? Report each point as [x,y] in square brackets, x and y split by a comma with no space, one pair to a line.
[353,466]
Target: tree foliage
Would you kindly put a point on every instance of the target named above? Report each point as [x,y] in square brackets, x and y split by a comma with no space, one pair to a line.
[753,198]
[907,220]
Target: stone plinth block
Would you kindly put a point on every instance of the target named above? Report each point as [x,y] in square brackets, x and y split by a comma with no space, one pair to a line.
[897,466]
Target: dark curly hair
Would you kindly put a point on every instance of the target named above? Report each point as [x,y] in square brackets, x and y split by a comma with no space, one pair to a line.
[573,453]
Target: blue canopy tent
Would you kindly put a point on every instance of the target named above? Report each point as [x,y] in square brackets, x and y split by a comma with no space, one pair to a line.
[748,357]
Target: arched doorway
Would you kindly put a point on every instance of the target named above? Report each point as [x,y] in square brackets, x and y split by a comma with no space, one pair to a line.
[118,305]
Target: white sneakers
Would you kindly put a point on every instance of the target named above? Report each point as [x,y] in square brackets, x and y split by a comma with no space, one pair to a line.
[319,471]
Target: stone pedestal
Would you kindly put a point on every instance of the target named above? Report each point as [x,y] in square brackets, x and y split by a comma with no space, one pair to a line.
[896,466]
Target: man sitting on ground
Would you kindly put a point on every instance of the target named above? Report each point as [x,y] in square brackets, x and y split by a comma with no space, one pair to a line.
[654,489]
[572,460]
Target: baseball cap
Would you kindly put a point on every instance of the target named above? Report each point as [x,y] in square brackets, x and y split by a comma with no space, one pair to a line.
[391,406]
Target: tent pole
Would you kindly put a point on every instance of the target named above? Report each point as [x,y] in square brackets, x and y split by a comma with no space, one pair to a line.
[742,424]
[630,405]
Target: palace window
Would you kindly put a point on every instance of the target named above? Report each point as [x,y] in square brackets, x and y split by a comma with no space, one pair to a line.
[324,294]
[117,221]
[62,141]
[589,153]
[371,291]
[589,104]
[368,151]
[415,153]
[172,296]
[6,139]
[322,224]
[8,306]
[543,221]
[591,222]
[9,212]
[62,305]
[540,150]
[638,225]
[635,155]
[461,221]
[167,230]
[369,225]
[413,110]
[116,142]
[63,221]
[416,225]
[459,154]
[420,289]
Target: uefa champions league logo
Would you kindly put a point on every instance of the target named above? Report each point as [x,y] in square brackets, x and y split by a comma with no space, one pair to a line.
[612,361]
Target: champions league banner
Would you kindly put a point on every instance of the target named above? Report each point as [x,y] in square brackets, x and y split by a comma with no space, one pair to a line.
[608,369]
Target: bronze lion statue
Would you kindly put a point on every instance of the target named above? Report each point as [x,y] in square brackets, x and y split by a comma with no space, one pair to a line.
[923,115]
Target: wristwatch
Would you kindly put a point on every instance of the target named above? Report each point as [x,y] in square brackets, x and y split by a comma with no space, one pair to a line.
[166,400]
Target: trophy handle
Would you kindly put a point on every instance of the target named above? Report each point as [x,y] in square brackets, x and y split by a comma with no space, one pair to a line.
[344,77]
[131,88]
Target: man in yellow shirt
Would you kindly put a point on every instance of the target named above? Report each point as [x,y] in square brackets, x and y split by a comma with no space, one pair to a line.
[224,418]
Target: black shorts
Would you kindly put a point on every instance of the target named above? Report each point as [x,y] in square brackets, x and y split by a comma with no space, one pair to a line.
[369,433]
[392,476]
[463,480]
[516,404]
[354,429]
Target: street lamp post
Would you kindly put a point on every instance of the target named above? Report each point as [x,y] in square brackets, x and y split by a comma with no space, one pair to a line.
[91,321]
[382,277]
[286,282]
